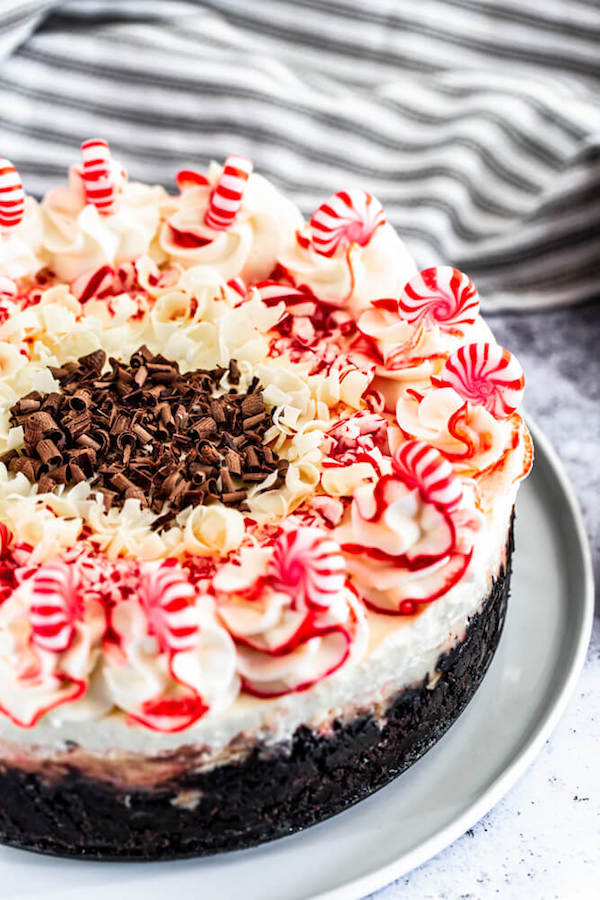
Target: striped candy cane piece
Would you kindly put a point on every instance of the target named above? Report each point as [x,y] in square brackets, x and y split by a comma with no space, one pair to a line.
[348,217]
[308,565]
[12,195]
[298,302]
[485,374]
[419,465]
[167,598]
[441,296]
[55,606]
[98,180]
[226,198]
[239,286]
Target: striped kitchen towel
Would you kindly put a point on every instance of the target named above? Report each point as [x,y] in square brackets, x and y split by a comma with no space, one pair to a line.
[475,122]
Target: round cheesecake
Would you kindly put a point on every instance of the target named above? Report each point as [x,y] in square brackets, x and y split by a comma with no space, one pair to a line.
[257,480]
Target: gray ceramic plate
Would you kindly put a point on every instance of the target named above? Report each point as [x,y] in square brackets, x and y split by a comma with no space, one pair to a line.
[467,772]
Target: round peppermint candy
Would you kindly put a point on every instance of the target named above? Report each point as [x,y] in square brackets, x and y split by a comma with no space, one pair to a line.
[486,375]
[348,217]
[308,565]
[167,598]
[55,606]
[441,296]
[419,465]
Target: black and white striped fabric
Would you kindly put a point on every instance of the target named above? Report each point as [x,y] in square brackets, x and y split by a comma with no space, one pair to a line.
[475,122]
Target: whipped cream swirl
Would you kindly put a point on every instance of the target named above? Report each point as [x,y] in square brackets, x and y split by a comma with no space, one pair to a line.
[248,248]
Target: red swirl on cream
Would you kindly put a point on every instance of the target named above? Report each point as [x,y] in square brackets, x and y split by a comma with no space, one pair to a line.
[12,195]
[420,465]
[226,199]
[55,606]
[486,375]
[348,217]
[441,295]
[308,565]
[167,598]
[99,185]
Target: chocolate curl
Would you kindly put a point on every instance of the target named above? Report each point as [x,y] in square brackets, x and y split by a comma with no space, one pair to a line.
[145,431]
[48,452]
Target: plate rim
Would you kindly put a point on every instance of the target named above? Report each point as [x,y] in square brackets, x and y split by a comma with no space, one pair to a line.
[381,877]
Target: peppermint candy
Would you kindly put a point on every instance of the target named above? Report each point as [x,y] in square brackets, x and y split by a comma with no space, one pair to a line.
[308,565]
[298,302]
[485,374]
[167,598]
[419,465]
[226,198]
[239,286]
[348,217]
[441,296]
[55,605]
[98,180]
[12,195]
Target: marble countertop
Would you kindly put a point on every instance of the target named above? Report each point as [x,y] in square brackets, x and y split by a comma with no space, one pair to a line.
[543,839]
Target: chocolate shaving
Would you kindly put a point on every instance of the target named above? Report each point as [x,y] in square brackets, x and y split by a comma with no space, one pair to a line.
[147,432]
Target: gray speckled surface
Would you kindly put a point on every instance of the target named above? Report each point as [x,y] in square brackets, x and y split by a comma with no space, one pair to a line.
[543,839]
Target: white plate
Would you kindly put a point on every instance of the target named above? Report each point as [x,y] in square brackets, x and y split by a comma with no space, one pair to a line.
[467,772]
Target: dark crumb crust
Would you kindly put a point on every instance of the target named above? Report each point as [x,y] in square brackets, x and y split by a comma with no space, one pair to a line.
[271,793]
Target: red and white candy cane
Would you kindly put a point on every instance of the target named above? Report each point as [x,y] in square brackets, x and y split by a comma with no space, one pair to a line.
[441,296]
[348,217]
[226,199]
[12,195]
[55,606]
[167,598]
[98,178]
[308,565]
[484,374]
[419,465]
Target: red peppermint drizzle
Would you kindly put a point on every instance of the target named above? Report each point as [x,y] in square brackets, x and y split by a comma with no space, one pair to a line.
[226,198]
[441,295]
[98,181]
[348,217]
[12,195]
[486,375]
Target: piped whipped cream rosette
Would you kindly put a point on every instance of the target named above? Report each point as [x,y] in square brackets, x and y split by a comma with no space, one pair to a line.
[290,612]
[50,633]
[231,220]
[408,537]
[167,662]
[348,254]
[470,415]
[100,219]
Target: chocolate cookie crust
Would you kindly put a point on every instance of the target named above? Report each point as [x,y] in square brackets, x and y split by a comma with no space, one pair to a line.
[273,792]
